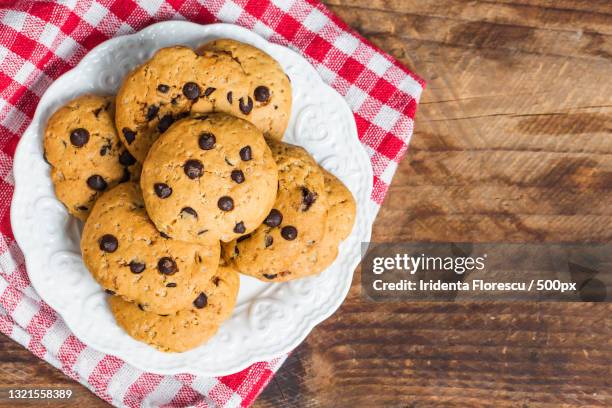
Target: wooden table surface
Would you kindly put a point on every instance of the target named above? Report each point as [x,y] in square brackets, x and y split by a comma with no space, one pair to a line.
[512,143]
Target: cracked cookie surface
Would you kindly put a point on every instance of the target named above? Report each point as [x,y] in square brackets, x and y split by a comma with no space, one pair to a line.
[210,175]
[127,256]
[340,219]
[163,89]
[85,153]
[185,329]
[267,103]
[294,226]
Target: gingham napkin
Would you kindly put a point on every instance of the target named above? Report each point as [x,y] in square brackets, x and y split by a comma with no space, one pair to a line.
[41,40]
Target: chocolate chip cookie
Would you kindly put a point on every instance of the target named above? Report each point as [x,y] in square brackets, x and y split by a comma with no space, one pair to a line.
[185,329]
[267,103]
[129,257]
[163,90]
[85,153]
[294,226]
[340,220]
[209,176]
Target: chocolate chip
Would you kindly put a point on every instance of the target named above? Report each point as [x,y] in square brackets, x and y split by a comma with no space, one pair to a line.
[165,122]
[163,88]
[167,266]
[229,97]
[239,228]
[190,211]
[96,182]
[209,91]
[308,198]
[137,267]
[244,237]
[267,276]
[246,154]
[191,90]
[108,243]
[129,135]
[261,93]
[245,107]
[162,190]
[274,219]
[207,141]
[126,158]
[110,292]
[289,232]
[193,169]
[79,137]
[268,240]
[201,301]
[238,176]
[225,203]
[126,175]
[171,285]
[152,112]
[105,149]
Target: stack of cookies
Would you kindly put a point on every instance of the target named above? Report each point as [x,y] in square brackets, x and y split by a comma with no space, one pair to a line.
[182,182]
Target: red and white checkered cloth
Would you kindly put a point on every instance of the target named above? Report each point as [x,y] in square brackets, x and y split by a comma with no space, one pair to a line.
[41,40]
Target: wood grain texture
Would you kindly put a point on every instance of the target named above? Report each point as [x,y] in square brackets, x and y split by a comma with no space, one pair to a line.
[512,143]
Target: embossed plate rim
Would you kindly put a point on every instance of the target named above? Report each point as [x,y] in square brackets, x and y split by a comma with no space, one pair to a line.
[139,354]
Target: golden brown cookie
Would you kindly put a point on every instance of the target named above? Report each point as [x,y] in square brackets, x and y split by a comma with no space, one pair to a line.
[340,220]
[128,256]
[185,329]
[210,175]
[85,153]
[268,101]
[293,227]
[164,88]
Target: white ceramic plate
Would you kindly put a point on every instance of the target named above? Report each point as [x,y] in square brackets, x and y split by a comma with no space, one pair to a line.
[270,319]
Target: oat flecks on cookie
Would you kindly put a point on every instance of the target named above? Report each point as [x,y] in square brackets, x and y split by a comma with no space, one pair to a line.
[267,103]
[128,256]
[224,76]
[209,176]
[312,214]
[340,219]
[85,153]
[294,225]
[185,329]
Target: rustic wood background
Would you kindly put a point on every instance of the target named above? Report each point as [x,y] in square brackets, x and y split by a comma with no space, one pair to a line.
[512,143]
